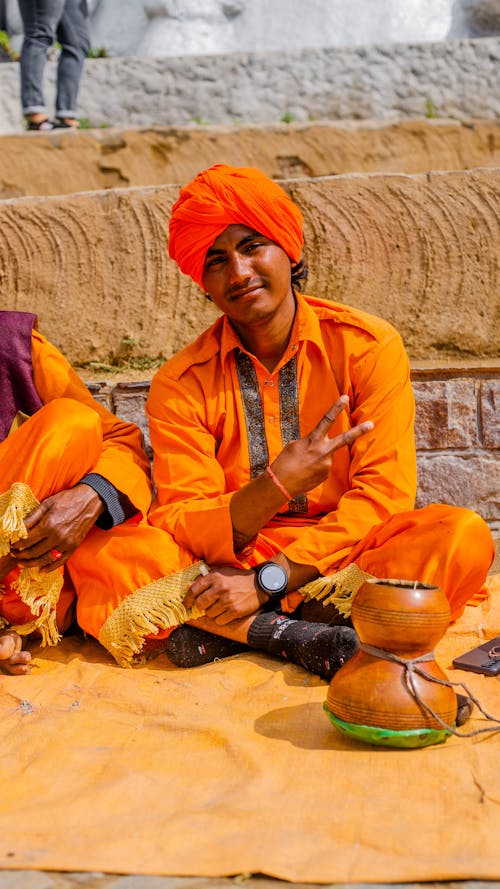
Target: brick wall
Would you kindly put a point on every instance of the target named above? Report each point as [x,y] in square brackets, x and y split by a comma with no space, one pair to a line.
[457,431]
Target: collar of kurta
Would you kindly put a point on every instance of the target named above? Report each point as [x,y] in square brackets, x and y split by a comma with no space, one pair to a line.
[306,326]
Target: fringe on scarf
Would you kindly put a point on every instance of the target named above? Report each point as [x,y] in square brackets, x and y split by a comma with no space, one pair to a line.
[337,589]
[39,592]
[157,606]
[15,503]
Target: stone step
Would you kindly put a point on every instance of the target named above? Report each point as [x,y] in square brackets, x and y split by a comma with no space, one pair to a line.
[61,162]
[419,250]
[453,78]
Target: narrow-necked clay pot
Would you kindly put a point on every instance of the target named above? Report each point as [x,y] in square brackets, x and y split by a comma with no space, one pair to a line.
[408,619]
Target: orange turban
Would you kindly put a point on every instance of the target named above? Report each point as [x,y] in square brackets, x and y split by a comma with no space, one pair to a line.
[222,196]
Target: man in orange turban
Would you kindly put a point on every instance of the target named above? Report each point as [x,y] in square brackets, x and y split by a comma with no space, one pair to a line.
[283,436]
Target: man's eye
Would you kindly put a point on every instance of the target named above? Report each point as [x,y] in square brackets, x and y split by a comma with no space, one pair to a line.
[253,245]
[214,260]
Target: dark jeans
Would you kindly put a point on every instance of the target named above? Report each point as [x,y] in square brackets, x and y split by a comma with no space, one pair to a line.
[44,22]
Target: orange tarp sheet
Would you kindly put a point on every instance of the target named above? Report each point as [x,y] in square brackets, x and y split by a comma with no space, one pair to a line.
[234,768]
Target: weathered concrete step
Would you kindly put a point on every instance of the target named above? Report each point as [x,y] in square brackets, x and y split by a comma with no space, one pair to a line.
[59,162]
[22,879]
[420,250]
[457,430]
[454,78]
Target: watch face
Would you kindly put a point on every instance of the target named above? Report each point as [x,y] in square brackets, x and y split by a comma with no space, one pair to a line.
[273,578]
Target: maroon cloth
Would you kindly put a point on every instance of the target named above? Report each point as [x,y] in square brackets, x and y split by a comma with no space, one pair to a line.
[17,388]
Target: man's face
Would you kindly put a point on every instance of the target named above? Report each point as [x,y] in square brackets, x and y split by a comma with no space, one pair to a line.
[248,277]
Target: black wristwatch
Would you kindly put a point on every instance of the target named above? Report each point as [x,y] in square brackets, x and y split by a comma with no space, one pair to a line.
[272,579]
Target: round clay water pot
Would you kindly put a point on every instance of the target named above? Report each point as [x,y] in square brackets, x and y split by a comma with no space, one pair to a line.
[371,691]
[402,616]
[405,618]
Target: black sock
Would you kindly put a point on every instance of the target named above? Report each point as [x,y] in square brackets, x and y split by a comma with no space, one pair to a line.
[318,648]
[191,647]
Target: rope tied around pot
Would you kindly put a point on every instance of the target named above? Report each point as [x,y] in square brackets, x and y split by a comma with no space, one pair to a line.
[411,668]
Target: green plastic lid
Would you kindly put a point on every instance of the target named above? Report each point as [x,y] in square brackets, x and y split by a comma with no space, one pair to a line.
[370,734]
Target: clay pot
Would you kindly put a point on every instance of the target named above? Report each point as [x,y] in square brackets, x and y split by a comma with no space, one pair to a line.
[408,619]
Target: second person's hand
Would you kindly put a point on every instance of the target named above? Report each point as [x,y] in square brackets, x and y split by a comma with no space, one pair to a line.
[57,527]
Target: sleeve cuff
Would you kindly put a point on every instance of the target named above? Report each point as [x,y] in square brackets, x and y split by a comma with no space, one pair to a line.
[118,506]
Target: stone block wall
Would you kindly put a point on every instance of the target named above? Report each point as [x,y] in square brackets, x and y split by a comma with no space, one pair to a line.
[454,78]
[457,432]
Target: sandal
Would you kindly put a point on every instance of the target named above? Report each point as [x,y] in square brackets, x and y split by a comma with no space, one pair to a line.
[60,124]
[41,125]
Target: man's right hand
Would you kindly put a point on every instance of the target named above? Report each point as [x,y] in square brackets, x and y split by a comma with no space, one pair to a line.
[57,525]
[300,466]
[305,463]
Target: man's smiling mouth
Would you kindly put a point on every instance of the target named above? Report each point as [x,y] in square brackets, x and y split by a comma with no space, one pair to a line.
[245,291]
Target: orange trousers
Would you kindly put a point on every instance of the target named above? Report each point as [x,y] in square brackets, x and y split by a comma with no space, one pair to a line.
[51,452]
[446,546]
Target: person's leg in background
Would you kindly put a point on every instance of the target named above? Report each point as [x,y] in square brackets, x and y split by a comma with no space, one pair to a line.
[74,36]
[40,19]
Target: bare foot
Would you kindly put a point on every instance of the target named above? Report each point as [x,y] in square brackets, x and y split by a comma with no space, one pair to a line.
[68,121]
[39,117]
[13,659]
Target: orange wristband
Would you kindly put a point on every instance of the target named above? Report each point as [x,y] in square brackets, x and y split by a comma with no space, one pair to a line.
[278,484]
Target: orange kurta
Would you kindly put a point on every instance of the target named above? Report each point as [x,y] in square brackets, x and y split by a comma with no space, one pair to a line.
[216,418]
[200,434]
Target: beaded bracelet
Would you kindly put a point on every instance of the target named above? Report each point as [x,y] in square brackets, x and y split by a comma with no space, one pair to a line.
[278,483]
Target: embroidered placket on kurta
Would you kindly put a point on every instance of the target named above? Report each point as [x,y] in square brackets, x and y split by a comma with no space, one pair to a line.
[258,451]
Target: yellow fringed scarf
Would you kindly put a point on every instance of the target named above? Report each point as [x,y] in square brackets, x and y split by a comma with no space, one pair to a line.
[157,606]
[39,592]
